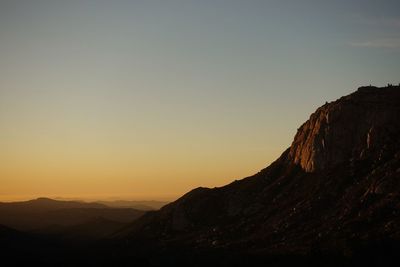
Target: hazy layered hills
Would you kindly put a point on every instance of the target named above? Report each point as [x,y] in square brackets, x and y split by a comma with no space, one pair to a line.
[139,205]
[336,190]
[69,218]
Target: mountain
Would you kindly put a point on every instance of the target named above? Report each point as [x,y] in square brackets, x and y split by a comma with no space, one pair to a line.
[47,215]
[46,204]
[331,199]
[139,205]
[335,191]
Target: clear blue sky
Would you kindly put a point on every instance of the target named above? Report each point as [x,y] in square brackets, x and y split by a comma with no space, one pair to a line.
[152,98]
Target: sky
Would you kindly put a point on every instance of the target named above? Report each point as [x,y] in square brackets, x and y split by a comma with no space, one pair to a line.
[150,99]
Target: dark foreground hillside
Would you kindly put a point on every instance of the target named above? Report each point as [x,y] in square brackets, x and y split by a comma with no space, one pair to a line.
[331,199]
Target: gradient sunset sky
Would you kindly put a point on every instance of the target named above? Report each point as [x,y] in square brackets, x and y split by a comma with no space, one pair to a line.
[149,99]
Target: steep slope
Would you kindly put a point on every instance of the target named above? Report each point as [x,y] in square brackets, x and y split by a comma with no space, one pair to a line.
[355,127]
[337,188]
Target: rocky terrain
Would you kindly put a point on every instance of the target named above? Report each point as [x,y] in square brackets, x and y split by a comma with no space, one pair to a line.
[335,191]
[331,199]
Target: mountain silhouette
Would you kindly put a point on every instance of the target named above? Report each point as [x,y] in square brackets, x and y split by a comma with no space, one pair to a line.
[44,215]
[335,190]
[139,205]
[331,199]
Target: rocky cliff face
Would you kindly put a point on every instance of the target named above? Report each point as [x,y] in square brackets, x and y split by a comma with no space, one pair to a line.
[336,186]
[352,128]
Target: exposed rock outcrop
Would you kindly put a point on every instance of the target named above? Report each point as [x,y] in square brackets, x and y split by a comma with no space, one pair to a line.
[352,128]
[338,184]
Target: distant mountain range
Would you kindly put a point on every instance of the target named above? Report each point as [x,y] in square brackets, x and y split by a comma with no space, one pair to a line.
[139,205]
[48,216]
[331,199]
